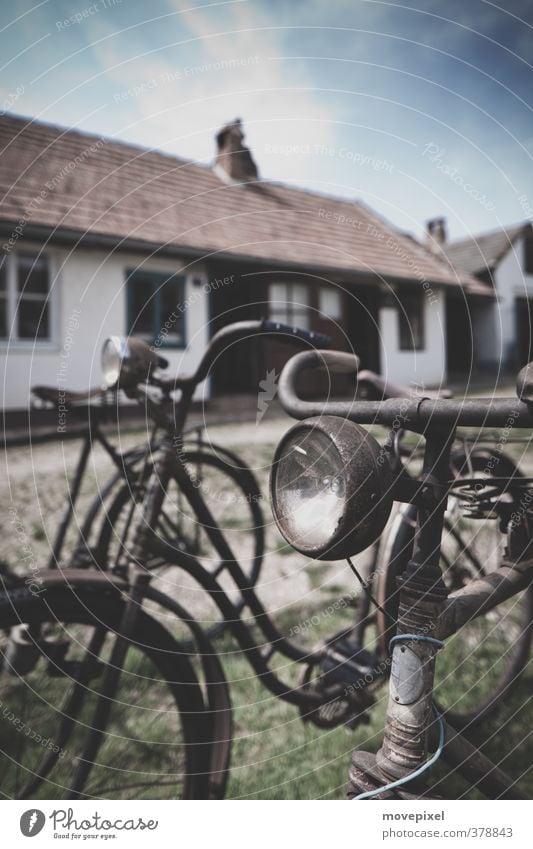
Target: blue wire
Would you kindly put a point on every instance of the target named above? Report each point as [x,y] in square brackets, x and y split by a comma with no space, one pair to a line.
[434,758]
[417,637]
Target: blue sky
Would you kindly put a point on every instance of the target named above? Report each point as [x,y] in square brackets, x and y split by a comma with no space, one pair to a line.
[419,108]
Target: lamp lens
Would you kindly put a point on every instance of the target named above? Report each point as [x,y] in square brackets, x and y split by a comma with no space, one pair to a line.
[112,354]
[310,488]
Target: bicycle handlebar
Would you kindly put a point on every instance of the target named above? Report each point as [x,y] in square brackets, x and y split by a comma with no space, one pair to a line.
[241,330]
[414,413]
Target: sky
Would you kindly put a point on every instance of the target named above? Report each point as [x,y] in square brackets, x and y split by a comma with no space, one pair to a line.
[421,108]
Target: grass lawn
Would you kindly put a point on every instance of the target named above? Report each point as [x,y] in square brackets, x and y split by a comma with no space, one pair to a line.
[277,756]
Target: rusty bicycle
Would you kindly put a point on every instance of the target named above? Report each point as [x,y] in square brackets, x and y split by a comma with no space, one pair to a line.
[332,494]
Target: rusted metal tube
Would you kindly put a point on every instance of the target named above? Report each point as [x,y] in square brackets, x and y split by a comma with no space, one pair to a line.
[480,596]
[422,598]
[418,414]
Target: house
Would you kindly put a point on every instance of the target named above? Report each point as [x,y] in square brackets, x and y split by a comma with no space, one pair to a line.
[100,237]
[503,260]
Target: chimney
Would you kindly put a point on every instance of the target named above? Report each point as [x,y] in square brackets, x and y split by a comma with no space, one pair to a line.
[234,162]
[436,233]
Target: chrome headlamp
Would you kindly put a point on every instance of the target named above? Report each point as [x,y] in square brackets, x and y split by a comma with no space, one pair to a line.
[115,351]
[331,488]
[127,361]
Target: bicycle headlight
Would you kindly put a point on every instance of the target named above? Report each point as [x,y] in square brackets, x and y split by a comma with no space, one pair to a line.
[115,352]
[126,361]
[331,488]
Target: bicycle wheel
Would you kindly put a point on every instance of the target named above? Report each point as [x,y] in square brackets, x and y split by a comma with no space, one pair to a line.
[233,497]
[134,463]
[482,662]
[153,745]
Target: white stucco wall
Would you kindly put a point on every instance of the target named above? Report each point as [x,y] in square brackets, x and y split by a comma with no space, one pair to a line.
[426,367]
[511,283]
[89,291]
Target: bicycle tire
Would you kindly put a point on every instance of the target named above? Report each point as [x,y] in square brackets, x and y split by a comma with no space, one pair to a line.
[81,609]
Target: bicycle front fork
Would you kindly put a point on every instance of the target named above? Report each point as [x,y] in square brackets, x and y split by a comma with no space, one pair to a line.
[410,711]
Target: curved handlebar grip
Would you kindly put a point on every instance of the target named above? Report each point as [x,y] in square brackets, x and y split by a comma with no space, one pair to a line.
[339,362]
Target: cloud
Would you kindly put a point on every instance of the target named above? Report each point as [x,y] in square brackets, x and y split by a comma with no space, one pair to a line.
[216,64]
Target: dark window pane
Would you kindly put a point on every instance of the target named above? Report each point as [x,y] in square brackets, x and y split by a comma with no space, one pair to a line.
[170,299]
[171,312]
[33,319]
[141,309]
[3,273]
[32,275]
[3,317]
[528,248]
[156,307]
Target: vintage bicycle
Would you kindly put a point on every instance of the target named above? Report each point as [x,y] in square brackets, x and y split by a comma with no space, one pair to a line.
[127,710]
[328,477]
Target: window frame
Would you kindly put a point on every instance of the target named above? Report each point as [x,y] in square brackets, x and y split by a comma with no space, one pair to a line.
[409,342]
[11,340]
[289,315]
[163,277]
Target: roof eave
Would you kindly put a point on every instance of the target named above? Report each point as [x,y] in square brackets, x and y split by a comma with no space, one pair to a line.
[66,237]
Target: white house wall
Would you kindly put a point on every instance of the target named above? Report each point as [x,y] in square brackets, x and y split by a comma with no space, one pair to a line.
[89,304]
[511,283]
[426,367]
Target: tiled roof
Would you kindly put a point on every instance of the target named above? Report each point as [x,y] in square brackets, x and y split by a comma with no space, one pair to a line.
[483,252]
[71,181]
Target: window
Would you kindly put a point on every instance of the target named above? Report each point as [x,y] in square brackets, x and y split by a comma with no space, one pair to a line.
[289,303]
[156,307]
[25,298]
[528,254]
[411,321]
[330,303]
